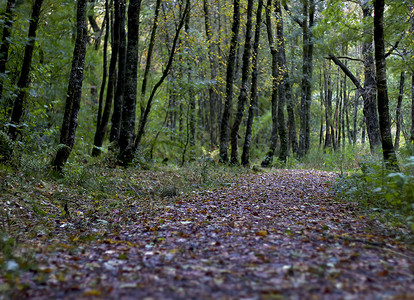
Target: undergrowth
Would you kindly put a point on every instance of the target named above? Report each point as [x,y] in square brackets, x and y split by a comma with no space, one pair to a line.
[383,194]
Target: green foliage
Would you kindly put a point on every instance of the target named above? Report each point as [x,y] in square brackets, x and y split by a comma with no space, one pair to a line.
[6,147]
[382,192]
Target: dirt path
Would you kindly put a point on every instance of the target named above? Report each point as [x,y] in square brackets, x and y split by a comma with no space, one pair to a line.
[270,236]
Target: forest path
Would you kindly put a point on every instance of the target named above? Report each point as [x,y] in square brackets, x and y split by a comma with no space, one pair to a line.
[269,236]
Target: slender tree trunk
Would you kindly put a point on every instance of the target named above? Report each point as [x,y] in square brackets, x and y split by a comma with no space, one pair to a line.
[245,158]
[126,136]
[355,132]
[24,80]
[307,24]
[267,161]
[120,85]
[398,116]
[328,109]
[5,41]
[244,86]
[213,74]
[192,100]
[282,66]
[144,117]
[101,127]
[382,92]
[412,109]
[369,96]
[74,93]
[104,66]
[231,67]
[149,56]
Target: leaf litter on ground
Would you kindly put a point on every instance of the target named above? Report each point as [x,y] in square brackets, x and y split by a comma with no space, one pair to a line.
[267,236]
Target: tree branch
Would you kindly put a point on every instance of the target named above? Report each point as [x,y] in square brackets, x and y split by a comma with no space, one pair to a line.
[346,71]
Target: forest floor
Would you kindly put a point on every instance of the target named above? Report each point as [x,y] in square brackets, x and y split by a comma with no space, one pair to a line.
[278,235]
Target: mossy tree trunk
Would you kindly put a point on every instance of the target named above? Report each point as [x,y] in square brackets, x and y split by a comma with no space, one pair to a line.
[74,93]
[24,80]
[231,66]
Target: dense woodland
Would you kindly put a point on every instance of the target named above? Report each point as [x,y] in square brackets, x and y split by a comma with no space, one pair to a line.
[236,80]
[199,149]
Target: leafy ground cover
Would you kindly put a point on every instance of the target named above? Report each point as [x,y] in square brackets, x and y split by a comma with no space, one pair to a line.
[266,236]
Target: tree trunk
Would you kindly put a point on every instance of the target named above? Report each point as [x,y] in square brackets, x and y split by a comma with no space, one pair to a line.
[267,161]
[382,93]
[369,96]
[23,82]
[213,74]
[245,158]
[244,86]
[104,65]
[74,93]
[307,24]
[412,109]
[282,66]
[149,57]
[144,117]
[101,127]
[126,135]
[5,42]
[120,85]
[231,66]
[398,116]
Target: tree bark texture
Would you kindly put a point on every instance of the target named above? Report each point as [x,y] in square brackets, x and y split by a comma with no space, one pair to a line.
[101,127]
[127,132]
[104,65]
[382,92]
[5,42]
[283,77]
[74,93]
[244,86]
[231,67]
[120,85]
[369,96]
[398,116]
[267,161]
[307,24]
[24,81]
[245,158]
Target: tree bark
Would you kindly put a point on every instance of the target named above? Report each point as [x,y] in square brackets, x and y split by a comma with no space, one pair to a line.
[284,77]
[369,96]
[104,66]
[307,24]
[74,93]
[149,57]
[398,116]
[101,127]
[231,65]
[267,161]
[412,109]
[24,80]
[245,158]
[213,74]
[5,42]
[120,85]
[244,86]
[382,92]
[126,135]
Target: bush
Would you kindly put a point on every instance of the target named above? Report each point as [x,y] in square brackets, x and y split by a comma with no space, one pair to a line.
[388,194]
